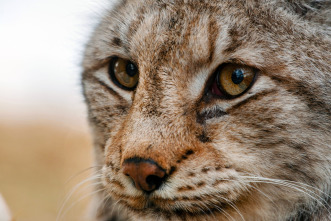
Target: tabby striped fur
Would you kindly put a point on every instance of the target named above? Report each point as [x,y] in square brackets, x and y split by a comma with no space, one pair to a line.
[265,155]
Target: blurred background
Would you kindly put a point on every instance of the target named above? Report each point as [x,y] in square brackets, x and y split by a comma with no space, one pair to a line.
[44,136]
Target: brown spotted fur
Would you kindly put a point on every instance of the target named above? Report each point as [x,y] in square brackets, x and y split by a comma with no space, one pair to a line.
[265,155]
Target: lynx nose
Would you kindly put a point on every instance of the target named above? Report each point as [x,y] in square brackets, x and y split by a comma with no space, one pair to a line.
[146,174]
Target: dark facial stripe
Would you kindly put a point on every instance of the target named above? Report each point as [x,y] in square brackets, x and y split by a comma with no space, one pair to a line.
[236,34]
[305,92]
[96,66]
[135,24]
[250,99]
[212,37]
[209,114]
[105,87]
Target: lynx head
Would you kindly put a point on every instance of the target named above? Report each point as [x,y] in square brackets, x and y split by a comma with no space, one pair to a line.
[211,110]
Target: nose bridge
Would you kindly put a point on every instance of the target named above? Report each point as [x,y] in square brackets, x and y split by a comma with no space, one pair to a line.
[157,111]
[158,94]
[158,137]
[148,139]
[157,119]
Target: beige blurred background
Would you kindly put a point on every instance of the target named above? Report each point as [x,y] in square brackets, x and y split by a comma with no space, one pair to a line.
[44,136]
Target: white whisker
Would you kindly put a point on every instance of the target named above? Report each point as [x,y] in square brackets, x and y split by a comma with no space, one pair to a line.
[233,206]
[293,185]
[264,194]
[80,199]
[205,205]
[74,189]
[226,214]
[83,171]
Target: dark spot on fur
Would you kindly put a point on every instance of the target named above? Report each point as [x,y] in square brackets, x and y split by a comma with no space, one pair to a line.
[185,188]
[172,170]
[201,184]
[189,152]
[205,170]
[217,182]
[298,147]
[184,157]
[111,165]
[178,161]
[191,174]
[116,41]
[204,138]
[228,166]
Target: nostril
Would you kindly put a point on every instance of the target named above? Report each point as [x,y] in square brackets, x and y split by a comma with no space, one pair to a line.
[146,174]
[154,181]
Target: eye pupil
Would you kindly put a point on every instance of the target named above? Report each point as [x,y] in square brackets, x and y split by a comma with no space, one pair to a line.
[237,76]
[131,69]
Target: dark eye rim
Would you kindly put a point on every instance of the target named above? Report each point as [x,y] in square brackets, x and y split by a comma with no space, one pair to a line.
[217,79]
[113,77]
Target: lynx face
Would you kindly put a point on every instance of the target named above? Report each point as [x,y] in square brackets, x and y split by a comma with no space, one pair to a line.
[210,110]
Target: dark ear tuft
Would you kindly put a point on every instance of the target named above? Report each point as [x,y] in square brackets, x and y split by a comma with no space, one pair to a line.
[318,11]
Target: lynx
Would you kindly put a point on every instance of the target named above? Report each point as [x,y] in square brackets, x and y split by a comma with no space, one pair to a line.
[211,110]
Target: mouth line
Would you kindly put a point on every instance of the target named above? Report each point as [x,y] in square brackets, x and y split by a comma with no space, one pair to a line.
[177,206]
[191,210]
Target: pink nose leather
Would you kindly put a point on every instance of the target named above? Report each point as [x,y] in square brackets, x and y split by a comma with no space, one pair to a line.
[146,174]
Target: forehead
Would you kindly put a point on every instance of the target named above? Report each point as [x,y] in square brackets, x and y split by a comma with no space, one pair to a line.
[183,32]
[168,31]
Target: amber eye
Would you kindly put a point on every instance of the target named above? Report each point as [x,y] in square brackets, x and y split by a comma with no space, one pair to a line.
[123,73]
[233,80]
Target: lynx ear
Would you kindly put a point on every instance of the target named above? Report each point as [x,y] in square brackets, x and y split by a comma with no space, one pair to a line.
[318,11]
[4,210]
